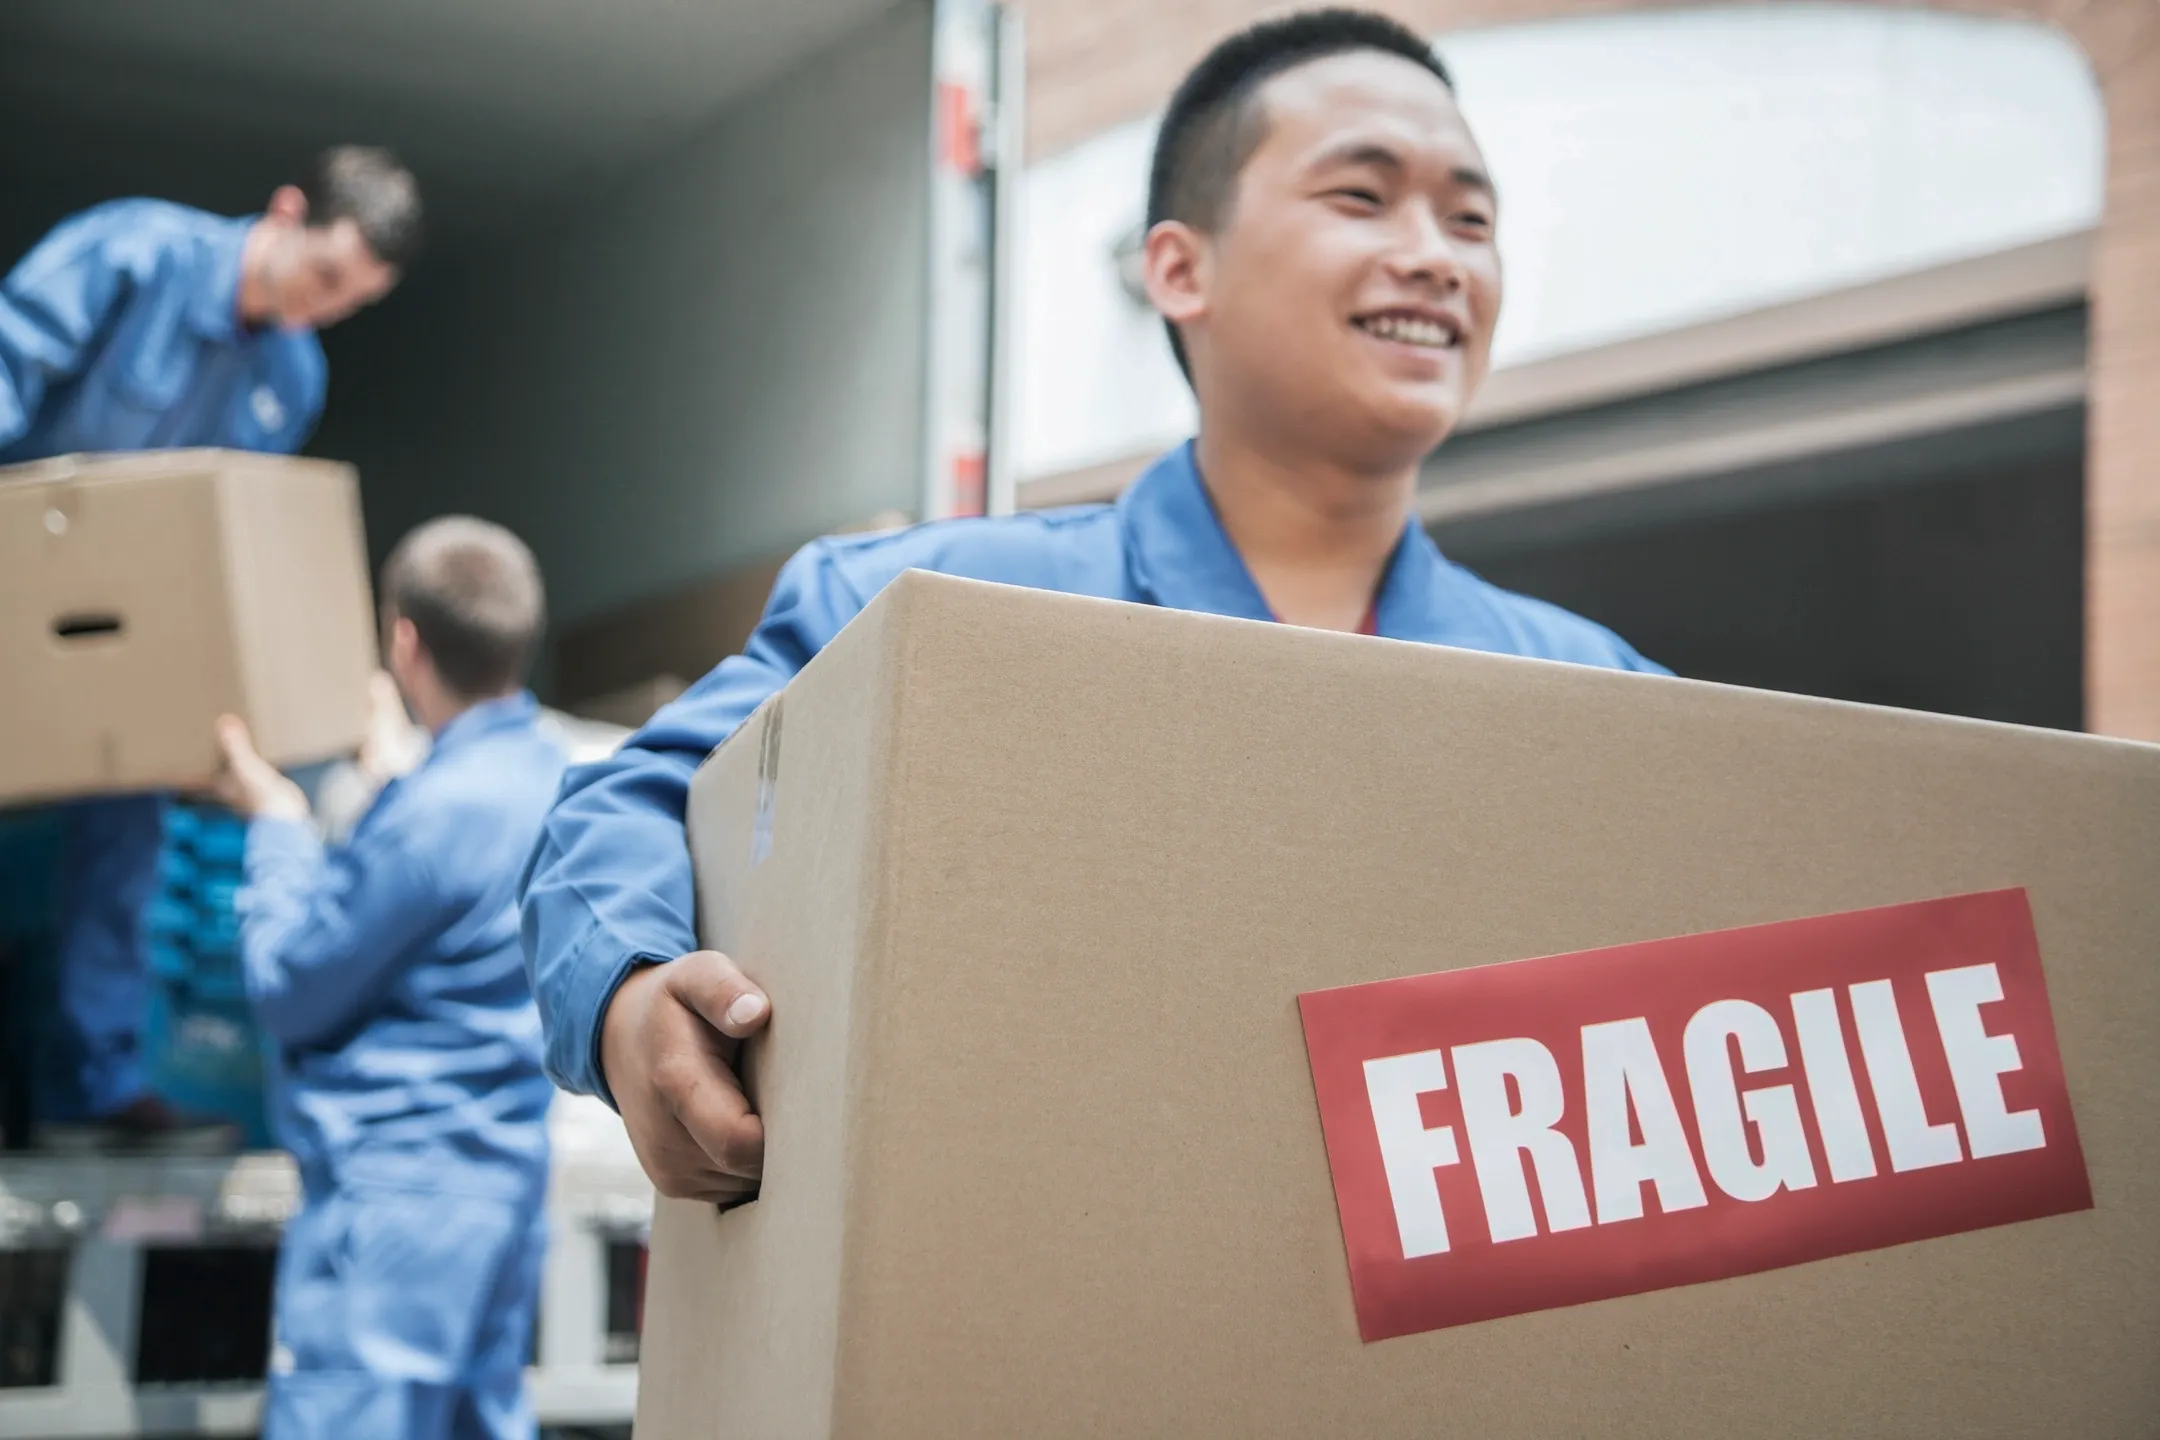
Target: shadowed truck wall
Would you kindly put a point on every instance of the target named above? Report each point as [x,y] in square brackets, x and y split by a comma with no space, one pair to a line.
[704,363]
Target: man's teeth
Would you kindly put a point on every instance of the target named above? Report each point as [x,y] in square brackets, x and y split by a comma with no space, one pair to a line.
[1410,330]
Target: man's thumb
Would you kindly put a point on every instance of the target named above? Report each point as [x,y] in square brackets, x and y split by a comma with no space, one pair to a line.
[234,742]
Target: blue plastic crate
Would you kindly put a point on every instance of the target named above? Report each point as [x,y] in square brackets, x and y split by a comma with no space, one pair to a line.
[171,918]
[209,932]
[183,872]
[201,1049]
[209,836]
[216,935]
[169,960]
[210,977]
[221,983]
[177,869]
[205,1056]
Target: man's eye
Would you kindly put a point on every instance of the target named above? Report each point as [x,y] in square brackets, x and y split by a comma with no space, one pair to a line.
[1360,195]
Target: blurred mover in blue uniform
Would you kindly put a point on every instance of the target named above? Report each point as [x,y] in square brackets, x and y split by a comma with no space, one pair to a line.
[386,971]
[145,325]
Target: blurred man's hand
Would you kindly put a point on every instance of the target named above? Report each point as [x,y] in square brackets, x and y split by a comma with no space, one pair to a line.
[250,784]
[392,744]
[668,1044]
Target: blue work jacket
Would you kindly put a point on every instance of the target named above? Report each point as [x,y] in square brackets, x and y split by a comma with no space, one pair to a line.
[121,331]
[387,971]
[609,886]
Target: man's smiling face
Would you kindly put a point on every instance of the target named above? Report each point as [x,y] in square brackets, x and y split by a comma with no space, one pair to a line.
[1351,284]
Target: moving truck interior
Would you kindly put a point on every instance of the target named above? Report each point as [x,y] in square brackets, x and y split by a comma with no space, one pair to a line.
[672,313]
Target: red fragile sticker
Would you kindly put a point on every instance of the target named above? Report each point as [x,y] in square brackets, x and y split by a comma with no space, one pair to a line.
[1523,1136]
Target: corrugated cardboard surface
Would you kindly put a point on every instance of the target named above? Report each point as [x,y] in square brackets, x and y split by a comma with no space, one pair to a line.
[237,582]
[1073,861]
[297,559]
[826,738]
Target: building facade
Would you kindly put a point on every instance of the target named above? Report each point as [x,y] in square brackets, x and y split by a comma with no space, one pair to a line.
[1098,64]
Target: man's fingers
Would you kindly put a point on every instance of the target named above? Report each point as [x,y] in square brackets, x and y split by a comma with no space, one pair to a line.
[236,745]
[709,1104]
[709,983]
[233,742]
[734,1142]
[691,1070]
[668,1036]
[681,1170]
[224,784]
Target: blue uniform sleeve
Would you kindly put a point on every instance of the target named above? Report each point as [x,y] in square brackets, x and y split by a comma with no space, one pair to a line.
[322,929]
[52,306]
[1629,658]
[609,885]
[1542,629]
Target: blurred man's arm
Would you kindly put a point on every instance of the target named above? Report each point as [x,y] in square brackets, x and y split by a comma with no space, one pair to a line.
[320,929]
[53,305]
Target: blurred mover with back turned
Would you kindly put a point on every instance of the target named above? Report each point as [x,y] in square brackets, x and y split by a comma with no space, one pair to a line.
[386,972]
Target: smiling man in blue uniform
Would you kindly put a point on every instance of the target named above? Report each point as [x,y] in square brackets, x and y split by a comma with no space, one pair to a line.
[1321,249]
[408,1083]
[145,325]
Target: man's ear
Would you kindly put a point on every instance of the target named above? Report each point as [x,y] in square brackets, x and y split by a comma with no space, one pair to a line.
[402,644]
[1176,258]
[287,205]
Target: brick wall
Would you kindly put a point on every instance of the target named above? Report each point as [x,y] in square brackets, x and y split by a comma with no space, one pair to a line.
[1094,63]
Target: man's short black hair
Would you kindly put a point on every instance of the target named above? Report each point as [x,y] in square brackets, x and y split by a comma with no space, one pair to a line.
[1214,122]
[472,590]
[371,188]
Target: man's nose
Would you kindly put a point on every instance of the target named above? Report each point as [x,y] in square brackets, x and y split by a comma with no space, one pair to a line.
[1425,254]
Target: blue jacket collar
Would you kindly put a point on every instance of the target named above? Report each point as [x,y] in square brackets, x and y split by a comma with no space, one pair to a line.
[214,309]
[489,717]
[1181,557]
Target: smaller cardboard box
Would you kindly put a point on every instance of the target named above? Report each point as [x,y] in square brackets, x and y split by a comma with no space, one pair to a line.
[141,596]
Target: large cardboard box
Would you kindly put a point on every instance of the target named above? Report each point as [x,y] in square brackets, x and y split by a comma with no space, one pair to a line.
[1036,884]
[141,596]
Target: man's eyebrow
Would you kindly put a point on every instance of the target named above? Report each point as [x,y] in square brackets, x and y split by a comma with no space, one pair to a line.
[1361,152]
[1372,152]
